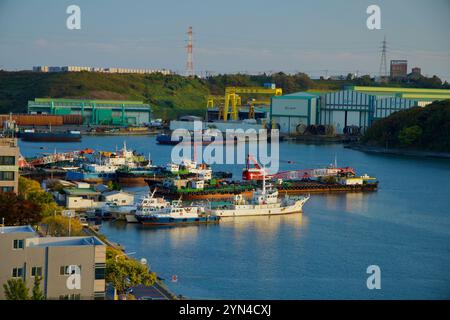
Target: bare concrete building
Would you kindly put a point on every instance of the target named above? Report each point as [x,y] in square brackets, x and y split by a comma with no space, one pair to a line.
[9,165]
[70,267]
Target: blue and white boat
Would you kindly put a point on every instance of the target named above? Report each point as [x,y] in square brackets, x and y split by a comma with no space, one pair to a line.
[176,214]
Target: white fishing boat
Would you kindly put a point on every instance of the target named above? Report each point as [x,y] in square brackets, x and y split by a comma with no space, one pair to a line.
[177,214]
[147,205]
[264,201]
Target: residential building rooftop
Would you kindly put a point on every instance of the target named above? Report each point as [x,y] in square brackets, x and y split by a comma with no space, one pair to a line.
[63,242]
[17,229]
[81,191]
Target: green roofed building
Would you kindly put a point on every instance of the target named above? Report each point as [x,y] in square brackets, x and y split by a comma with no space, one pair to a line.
[95,112]
[423,96]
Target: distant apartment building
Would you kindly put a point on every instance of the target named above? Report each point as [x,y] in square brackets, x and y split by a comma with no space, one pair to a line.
[399,69]
[9,165]
[416,71]
[97,69]
[71,268]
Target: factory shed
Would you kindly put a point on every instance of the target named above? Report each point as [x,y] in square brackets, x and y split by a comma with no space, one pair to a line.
[291,110]
[94,112]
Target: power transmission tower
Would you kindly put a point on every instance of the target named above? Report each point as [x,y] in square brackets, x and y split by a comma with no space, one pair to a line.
[190,61]
[383,64]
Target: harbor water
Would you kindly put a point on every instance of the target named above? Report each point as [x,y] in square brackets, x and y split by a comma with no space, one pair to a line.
[404,228]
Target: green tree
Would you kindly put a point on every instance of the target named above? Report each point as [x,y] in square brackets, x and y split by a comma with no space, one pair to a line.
[15,289]
[112,185]
[58,226]
[124,273]
[31,190]
[37,293]
[407,136]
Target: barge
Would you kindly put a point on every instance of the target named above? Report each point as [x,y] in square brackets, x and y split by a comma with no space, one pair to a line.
[50,136]
[289,187]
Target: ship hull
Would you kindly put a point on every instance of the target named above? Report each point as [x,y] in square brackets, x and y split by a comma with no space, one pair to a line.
[50,137]
[131,218]
[259,210]
[153,221]
[90,176]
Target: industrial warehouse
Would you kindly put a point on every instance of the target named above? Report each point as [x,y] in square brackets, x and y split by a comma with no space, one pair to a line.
[94,112]
[352,107]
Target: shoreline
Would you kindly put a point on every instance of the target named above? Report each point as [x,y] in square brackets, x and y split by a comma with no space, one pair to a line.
[399,152]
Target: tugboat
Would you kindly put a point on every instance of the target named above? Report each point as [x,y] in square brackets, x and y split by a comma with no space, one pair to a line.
[175,214]
[148,205]
[264,202]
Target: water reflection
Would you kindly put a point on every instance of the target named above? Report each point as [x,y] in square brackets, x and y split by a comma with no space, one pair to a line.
[344,202]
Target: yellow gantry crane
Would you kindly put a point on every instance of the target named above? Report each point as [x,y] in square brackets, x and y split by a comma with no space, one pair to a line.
[231,94]
[233,97]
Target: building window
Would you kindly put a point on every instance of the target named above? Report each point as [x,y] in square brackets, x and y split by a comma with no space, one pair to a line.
[6,189]
[18,244]
[7,160]
[6,175]
[36,271]
[73,296]
[99,296]
[99,271]
[64,270]
[17,272]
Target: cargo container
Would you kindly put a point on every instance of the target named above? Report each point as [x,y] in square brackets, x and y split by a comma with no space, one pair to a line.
[73,119]
[34,119]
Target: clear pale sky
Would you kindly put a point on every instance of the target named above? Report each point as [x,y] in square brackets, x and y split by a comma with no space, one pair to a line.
[230,36]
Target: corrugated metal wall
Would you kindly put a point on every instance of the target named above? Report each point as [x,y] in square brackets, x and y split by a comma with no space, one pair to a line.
[346,108]
[353,108]
[386,106]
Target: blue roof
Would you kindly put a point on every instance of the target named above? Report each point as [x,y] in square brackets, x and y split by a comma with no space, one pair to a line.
[17,229]
[65,242]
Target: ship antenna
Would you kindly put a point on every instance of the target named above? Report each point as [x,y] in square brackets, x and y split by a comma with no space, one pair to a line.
[335,161]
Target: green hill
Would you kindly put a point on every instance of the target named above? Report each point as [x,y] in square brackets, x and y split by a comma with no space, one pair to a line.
[169,96]
[417,128]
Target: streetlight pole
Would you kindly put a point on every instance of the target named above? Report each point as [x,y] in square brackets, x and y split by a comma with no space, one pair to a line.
[115,259]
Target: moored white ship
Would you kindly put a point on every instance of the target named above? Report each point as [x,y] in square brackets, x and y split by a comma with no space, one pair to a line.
[147,205]
[265,201]
[176,214]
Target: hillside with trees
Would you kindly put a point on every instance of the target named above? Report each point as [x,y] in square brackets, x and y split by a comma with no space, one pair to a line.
[169,96]
[417,128]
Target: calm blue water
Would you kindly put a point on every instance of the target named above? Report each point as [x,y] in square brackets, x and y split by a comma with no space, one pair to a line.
[404,228]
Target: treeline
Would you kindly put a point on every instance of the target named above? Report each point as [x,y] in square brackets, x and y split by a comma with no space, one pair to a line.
[417,128]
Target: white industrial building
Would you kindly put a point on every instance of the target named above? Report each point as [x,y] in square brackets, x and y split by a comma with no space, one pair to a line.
[51,69]
[338,109]
[290,110]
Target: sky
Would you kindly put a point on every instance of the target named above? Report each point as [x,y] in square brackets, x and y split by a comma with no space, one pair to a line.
[319,37]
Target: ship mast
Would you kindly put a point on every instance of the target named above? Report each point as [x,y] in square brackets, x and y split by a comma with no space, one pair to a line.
[264,180]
